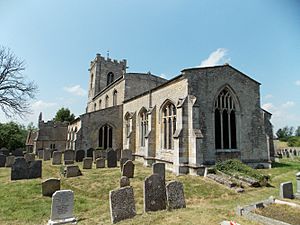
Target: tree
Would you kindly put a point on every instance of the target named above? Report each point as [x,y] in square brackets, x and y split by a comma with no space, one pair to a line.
[31,127]
[284,133]
[63,115]
[15,90]
[12,135]
[297,131]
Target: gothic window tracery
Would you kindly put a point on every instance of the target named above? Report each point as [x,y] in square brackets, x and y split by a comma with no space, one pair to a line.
[143,126]
[168,125]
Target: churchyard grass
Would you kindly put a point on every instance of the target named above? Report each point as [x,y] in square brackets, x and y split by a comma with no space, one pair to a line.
[21,202]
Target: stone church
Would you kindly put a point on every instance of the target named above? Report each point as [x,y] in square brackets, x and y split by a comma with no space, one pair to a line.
[199,117]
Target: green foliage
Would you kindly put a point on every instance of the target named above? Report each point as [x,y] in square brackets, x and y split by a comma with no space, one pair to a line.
[12,135]
[234,166]
[297,131]
[31,127]
[284,133]
[294,141]
[63,115]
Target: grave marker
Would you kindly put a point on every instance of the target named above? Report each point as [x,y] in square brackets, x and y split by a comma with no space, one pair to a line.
[286,190]
[128,169]
[111,158]
[50,186]
[87,163]
[175,195]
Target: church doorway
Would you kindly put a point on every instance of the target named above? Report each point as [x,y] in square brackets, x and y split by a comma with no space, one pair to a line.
[105,137]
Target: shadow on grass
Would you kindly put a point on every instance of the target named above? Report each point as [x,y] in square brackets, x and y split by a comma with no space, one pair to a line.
[279,165]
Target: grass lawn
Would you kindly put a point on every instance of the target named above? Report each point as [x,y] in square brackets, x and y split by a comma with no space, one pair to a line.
[21,201]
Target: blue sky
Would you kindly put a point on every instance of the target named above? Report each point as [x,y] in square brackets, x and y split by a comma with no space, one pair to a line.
[58,39]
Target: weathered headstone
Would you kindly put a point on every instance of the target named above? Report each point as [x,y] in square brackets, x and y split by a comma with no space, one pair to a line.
[87,163]
[122,204]
[40,154]
[160,169]
[72,171]
[154,193]
[124,181]
[9,161]
[100,163]
[118,151]
[29,157]
[18,152]
[128,169]
[56,158]
[50,186]
[62,208]
[122,162]
[2,160]
[19,169]
[68,162]
[35,169]
[79,155]
[69,155]
[175,195]
[4,151]
[111,158]
[286,190]
[297,194]
[89,152]
[126,153]
[46,154]
[97,154]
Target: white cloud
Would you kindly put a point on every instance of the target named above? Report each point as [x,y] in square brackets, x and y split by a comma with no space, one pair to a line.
[288,104]
[75,90]
[268,106]
[216,58]
[40,104]
[268,96]
[297,82]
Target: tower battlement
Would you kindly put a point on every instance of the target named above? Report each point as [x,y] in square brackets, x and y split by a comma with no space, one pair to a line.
[113,62]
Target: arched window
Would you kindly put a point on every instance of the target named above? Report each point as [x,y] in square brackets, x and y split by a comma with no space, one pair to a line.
[95,106]
[110,78]
[127,124]
[225,121]
[106,101]
[100,102]
[105,137]
[168,125]
[115,95]
[143,126]
[92,80]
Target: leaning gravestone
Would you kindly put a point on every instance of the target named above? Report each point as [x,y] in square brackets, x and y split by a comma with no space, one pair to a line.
[297,194]
[124,181]
[111,158]
[128,169]
[155,198]
[126,153]
[2,160]
[9,161]
[122,162]
[69,155]
[72,171]
[160,169]
[50,186]
[35,169]
[100,163]
[175,195]
[62,208]
[87,163]
[56,158]
[46,154]
[122,205]
[18,152]
[19,169]
[89,152]
[286,190]
[79,155]
[29,157]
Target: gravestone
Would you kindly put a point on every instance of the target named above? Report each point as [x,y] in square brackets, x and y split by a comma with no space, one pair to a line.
[50,186]
[126,153]
[297,194]
[9,161]
[118,151]
[89,152]
[97,154]
[2,160]
[35,169]
[56,158]
[69,155]
[111,158]
[87,163]
[160,169]
[128,169]
[4,151]
[62,207]
[18,152]
[79,155]
[72,171]
[29,157]
[122,162]
[19,169]
[46,154]
[124,181]
[154,193]
[175,195]
[286,190]
[68,162]
[100,163]
[122,204]
[40,154]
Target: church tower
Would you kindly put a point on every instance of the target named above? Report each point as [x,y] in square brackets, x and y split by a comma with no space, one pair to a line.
[103,72]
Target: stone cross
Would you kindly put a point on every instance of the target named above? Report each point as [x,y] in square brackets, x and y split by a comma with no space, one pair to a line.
[62,208]
[122,204]
[155,198]
[175,195]
[160,169]
[286,190]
